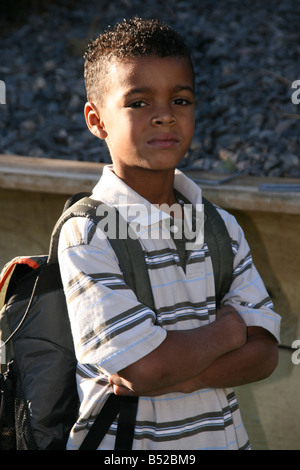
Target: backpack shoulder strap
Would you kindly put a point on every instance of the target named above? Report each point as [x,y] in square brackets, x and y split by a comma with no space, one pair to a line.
[127,249]
[217,238]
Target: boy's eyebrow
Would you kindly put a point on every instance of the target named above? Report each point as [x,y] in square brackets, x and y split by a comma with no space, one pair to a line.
[136,91]
[184,87]
[148,90]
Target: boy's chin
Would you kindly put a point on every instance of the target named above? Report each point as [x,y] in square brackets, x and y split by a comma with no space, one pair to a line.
[140,165]
[162,165]
[158,168]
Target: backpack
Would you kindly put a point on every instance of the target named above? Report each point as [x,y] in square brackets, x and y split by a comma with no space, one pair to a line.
[39,400]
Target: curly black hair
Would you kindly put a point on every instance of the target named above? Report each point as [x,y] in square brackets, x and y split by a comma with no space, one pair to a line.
[135,37]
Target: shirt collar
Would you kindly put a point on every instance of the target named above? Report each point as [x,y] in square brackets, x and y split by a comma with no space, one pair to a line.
[113,191]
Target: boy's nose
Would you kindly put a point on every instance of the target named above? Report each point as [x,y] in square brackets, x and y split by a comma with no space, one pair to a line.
[163,117]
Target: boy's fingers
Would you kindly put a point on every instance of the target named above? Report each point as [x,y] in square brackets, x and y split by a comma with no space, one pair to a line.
[122,391]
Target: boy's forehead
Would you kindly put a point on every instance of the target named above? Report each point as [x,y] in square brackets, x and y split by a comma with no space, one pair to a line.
[124,72]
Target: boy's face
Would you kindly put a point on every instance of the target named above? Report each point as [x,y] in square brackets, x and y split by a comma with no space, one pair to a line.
[147,114]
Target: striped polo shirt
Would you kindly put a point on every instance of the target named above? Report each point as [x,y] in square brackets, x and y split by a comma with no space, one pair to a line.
[112,330]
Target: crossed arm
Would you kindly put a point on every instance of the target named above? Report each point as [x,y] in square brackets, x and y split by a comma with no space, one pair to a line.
[222,354]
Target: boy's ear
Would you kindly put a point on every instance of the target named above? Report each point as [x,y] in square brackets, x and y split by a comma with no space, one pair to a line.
[93,120]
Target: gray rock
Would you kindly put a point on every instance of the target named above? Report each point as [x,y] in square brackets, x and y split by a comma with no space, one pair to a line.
[246,57]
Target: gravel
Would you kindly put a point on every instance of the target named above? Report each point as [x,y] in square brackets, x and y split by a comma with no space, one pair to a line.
[246,56]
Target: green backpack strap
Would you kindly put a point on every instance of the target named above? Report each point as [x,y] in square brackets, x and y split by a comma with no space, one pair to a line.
[217,238]
[128,249]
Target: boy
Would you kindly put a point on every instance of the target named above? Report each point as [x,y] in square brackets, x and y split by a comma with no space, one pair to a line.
[182,359]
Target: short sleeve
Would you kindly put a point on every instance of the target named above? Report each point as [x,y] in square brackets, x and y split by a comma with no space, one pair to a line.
[248,294]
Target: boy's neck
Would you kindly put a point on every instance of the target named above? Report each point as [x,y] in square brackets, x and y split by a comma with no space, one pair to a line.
[155,186]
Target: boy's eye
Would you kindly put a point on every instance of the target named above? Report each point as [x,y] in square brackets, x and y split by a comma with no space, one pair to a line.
[182,101]
[137,104]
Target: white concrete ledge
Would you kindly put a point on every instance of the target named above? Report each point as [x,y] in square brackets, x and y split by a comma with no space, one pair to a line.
[67,177]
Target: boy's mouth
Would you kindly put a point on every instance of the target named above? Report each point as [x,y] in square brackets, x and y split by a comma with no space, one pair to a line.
[164,141]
